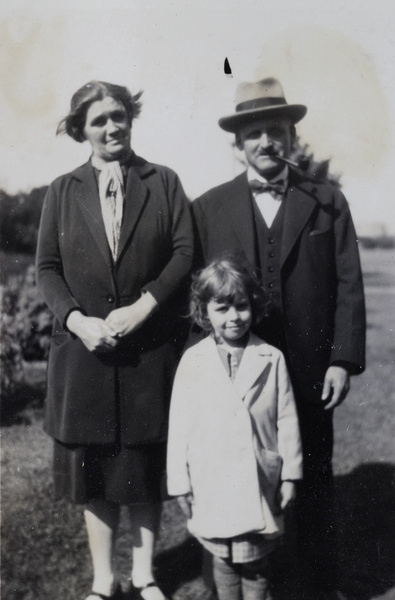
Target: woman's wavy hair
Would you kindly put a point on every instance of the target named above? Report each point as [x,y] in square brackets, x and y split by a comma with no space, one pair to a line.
[228,280]
[73,124]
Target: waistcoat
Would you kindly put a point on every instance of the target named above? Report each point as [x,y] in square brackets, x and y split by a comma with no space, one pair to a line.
[268,246]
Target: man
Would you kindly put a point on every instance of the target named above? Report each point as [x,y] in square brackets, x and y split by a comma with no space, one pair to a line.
[297,235]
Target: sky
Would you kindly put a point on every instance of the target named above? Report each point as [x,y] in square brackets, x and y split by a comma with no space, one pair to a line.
[335,57]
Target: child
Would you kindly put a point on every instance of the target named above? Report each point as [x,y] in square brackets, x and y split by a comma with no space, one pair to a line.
[234,449]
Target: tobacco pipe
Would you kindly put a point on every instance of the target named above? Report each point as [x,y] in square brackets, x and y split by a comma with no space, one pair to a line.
[303,162]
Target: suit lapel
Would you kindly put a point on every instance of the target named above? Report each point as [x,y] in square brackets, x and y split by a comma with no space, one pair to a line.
[88,198]
[236,207]
[300,203]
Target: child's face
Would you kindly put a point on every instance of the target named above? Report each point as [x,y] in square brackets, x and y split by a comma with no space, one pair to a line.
[230,321]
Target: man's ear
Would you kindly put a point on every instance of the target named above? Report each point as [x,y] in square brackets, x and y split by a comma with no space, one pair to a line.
[239,142]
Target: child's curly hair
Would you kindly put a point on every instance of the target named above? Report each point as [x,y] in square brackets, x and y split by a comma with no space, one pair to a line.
[227,280]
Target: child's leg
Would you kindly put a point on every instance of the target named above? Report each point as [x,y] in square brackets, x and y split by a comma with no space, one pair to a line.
[255,579]
[227,579]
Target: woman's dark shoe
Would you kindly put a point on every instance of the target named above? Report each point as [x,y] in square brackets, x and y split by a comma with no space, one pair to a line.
[116,595]
[135,592]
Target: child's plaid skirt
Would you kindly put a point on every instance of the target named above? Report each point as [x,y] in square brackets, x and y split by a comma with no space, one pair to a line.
[242,548]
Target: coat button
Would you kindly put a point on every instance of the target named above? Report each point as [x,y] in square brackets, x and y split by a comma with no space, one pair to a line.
[271,269]
[271,285]
[270,241]
[110,299]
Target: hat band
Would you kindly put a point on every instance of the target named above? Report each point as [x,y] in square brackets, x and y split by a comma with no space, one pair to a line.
[259,103]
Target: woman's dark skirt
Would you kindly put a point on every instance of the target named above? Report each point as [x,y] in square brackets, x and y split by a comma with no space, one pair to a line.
[123,475]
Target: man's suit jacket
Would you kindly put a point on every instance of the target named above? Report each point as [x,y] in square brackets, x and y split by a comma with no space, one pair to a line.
[93,397]
[323,312]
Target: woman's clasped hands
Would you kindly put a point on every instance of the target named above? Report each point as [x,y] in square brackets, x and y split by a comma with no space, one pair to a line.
[128,319]
[103,335]
[93,332]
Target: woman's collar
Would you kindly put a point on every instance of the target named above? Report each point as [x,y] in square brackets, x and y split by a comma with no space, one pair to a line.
[124,161]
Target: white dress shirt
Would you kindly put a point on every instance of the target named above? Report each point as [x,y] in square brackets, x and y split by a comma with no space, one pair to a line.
[266,202]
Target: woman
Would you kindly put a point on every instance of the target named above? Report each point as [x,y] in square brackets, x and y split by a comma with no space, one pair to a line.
[114,252]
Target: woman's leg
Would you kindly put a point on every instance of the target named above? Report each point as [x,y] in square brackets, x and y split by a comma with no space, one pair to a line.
[145,523]
[101,518]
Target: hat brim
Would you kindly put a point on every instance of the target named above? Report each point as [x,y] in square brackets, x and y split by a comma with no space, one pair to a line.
[294,112]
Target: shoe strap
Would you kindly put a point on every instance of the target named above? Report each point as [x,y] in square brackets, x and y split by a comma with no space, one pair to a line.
[104,596]
[147,585]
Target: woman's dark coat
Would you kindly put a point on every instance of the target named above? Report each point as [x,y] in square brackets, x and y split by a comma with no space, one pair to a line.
[123,395]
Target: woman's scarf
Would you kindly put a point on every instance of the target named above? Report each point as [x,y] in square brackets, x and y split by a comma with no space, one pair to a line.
[112,195]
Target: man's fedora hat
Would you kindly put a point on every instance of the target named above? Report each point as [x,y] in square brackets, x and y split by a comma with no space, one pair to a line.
[264,98]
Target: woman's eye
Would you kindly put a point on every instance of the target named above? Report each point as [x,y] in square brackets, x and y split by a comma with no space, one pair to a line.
[99,122]
[119,117]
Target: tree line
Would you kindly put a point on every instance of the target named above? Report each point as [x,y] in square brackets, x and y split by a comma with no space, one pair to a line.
[19,220]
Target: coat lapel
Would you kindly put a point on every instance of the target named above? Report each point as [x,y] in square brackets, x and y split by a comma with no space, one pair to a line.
[88,197]
[136,197]
[253,363]
[236,206]
[300,203]
[255,360]
[211,363]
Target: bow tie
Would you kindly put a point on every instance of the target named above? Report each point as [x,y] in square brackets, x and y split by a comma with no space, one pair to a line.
[277,188]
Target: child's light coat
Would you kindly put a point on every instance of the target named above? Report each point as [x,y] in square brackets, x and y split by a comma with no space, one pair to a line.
[231,444]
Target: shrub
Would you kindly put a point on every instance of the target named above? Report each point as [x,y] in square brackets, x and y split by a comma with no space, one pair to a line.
[10,359]
[26,330]
[33,321]
[10,350]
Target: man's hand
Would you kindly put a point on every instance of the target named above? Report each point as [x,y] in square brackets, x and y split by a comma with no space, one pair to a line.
[186,502]
[337,380]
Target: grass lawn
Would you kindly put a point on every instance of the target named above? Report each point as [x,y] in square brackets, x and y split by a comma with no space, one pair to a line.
[44,545]
[364,459]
